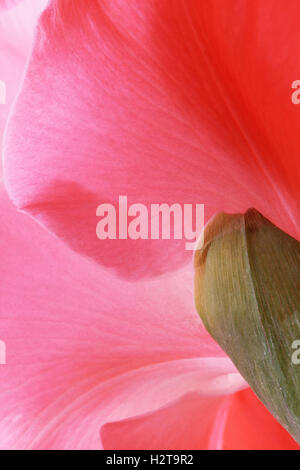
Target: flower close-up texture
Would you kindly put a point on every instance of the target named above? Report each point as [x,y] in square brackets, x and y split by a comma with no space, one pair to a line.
[133,342]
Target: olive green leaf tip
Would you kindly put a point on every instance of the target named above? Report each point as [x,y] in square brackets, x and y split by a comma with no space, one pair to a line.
[247,278]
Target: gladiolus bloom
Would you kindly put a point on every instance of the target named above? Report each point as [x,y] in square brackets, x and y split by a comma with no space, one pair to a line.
[180,101]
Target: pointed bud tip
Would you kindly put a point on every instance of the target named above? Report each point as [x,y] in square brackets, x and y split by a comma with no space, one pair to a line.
[247,275]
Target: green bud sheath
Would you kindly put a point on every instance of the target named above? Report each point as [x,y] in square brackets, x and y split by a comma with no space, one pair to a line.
[247,292]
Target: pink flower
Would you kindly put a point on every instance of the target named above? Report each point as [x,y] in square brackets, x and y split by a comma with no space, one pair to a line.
[173,101]
[16,32]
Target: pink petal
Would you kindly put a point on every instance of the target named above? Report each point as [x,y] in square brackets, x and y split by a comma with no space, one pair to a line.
[250,426]
[4,4]
[84,348]
[16,38]
[169,102]
[192,422]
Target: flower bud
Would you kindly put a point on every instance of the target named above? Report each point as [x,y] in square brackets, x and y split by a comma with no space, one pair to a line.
[247,293]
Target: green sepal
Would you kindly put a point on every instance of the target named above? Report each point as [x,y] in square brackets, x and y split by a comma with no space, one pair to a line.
[247,293]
